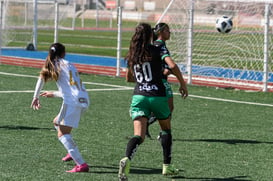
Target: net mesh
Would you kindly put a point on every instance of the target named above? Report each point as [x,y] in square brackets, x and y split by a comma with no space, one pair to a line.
[238,55]
[17,20]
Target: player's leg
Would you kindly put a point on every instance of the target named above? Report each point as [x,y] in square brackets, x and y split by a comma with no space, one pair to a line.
[66,139]
[170,103]
[56,126]
[132,145]
[166,139]
[152,118]
[139,112]
[169,93]
[171,107]
[162,112]
[166,143]
[68,119]
[150,121]
[138,138]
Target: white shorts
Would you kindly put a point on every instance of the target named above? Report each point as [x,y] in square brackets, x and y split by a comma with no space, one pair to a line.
[70,115]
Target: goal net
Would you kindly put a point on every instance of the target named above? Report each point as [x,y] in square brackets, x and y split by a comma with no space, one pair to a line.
[241,58]
[17,19]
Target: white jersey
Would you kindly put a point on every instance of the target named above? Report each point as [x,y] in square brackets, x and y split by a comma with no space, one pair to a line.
[70,85]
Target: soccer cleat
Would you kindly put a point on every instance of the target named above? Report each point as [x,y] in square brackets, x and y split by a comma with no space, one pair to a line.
[80,168]
[67,158]
[124,169]
[169,169]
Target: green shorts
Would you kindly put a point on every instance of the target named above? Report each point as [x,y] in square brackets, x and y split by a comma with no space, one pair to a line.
[144,106]
[169,92]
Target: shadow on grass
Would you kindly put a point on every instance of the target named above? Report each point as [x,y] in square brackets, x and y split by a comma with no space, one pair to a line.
[133,170]
[227,141]
[13,127]
[147,171]
[236,178]
[112,169]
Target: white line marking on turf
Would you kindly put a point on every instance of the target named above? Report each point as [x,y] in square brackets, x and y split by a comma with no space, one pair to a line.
[91,83]
[18,75]
[102,84]
[118,87]
[229,100]
[125,88]
[25,91]
[89,90]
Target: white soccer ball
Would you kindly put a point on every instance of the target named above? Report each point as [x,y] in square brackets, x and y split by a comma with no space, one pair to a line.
[224,24]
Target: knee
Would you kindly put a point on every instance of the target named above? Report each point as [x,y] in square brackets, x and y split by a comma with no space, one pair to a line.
[64,130]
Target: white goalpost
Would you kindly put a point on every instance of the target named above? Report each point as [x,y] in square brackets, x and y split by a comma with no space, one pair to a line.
[21,20]
[241,58]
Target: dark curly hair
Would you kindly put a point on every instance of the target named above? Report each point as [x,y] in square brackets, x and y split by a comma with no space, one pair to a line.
[138,50]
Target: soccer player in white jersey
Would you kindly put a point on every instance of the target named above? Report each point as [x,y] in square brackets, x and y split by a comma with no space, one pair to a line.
[75,100]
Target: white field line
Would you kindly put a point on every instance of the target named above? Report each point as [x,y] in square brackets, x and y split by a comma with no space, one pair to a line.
[89,90]
[17,75]
[118,87]
[229,100]
[102,84]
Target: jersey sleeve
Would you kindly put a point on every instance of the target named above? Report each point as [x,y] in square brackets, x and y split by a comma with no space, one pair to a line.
[57,94]
[164,52]
[39,86]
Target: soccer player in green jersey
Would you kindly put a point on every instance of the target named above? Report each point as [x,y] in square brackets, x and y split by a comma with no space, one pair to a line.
[149,96]
[161,35]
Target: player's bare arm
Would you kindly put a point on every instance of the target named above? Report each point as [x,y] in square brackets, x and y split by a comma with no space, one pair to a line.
[175,70]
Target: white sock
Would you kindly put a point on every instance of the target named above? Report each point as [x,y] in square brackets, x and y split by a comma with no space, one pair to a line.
[71,148]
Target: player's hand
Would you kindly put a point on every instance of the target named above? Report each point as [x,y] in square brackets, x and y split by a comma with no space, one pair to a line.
[47,94]
[35,104]
[183,91]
